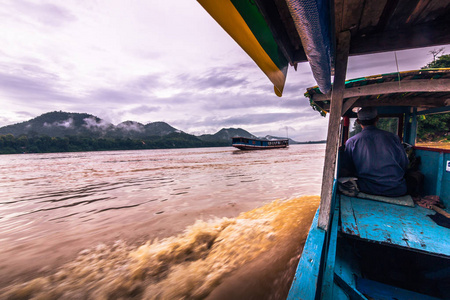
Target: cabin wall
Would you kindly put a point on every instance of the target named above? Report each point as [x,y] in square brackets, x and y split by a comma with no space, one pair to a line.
[437,177]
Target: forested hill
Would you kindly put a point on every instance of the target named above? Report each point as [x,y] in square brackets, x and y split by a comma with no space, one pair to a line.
[63,131]
[226,134]
[61,124]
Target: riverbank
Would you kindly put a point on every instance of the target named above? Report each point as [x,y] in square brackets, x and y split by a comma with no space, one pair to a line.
[440,145]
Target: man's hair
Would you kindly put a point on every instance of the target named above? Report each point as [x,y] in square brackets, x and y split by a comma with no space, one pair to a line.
[368,122]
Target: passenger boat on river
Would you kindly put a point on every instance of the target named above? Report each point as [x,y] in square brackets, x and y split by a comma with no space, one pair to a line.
[359,248]
[244,143]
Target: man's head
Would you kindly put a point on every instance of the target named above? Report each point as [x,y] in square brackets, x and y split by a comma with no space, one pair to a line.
[367,116]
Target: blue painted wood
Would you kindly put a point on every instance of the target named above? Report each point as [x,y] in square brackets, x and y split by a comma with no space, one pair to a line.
[393,224]
[328,275]
[429,167]
[346,271]
[380,291]
[348,220]
[339,294]
[437,179]
[304,285]
[353,293]
[445,190]
[440,173]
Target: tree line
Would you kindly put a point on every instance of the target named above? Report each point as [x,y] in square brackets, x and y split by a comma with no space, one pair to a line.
[10,144]
[430,128]
[435,127]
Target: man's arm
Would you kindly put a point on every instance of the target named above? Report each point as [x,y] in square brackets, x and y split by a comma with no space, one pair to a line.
[347,168]
[403,157]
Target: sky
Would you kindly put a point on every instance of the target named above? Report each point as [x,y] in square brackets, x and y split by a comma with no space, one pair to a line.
[154,60]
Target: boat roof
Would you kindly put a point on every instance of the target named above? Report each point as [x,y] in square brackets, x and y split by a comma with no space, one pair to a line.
[427,89]
[259,139]
[278,33]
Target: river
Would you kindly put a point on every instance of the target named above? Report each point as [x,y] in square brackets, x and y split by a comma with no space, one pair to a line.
[156,224]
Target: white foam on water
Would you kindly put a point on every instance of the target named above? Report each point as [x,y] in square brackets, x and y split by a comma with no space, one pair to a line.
[255,252]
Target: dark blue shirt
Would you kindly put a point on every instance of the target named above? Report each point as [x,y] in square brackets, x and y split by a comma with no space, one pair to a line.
[379,160]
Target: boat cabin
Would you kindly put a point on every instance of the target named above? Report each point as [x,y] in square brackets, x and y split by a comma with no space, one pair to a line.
[258,144]
[359,248]
[382,247]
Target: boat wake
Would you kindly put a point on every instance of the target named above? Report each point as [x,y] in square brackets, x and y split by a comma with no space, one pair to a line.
[252,256]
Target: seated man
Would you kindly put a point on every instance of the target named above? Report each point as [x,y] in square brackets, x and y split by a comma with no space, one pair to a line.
[376,157]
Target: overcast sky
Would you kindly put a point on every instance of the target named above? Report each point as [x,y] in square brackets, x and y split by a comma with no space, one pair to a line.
[150,61]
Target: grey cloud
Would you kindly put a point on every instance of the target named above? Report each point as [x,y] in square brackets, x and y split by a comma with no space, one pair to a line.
[144,109]
[27,87]
[115,96]
[252,119]
[242,120]
[45,13]
[359,63]
[213,79]
[227,101]
[288,127]
[145,83]
[25,114]
[4,121]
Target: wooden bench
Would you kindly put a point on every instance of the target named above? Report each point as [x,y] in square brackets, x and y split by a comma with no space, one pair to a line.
[392,224]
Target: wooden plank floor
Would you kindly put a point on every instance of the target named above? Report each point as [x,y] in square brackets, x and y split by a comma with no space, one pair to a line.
[394,224]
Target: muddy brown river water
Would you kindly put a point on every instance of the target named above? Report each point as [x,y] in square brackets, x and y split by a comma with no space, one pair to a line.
[159,224]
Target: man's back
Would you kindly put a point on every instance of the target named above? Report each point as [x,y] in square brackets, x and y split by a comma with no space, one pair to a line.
[378,160]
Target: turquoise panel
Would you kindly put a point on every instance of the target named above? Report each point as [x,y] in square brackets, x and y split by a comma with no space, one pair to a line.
[306,277]
[437,178]
[328,274]
[445,185]
[429,167]
[380,291]
[408,227]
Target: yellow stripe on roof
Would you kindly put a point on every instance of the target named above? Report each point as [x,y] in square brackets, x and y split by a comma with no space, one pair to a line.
[224,12]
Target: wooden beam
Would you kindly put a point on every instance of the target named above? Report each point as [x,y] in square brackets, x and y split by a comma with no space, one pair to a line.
[405,101]
[427,35]
[342,48]
[348,104]
[422,101]
[407,86]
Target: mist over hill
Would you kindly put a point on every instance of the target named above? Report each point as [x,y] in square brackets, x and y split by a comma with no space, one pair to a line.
[62,124]
[63,131]
[67,132]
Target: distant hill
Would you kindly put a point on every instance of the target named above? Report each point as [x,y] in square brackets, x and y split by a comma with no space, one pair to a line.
[58,124]
[225,135]
[61,124]
[64,131]
[160,129]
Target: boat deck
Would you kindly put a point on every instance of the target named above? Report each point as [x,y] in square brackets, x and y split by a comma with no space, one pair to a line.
[386,223]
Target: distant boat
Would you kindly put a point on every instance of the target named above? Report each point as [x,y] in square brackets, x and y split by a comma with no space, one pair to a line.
[258,144]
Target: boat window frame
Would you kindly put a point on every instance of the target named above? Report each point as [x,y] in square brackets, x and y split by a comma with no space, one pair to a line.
[345,127]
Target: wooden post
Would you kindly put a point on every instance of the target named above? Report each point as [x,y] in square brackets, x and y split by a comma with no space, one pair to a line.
[337,94]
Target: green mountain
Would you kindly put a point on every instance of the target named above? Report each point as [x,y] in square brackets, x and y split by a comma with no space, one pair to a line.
[62,132]
[225,135]
[61,124]
[159,129]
